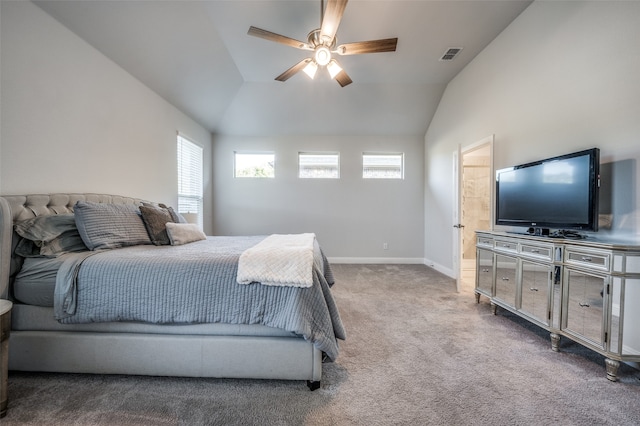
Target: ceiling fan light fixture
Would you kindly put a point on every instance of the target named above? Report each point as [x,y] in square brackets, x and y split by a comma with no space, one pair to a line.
[311,69]
[324,43]
[333,68]
[323,55]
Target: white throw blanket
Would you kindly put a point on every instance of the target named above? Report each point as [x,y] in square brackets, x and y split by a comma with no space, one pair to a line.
[281,260]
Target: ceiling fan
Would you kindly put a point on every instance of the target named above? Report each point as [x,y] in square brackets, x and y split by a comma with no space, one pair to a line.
[323,43]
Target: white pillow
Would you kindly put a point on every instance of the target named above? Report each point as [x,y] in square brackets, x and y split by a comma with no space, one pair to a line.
[183,233]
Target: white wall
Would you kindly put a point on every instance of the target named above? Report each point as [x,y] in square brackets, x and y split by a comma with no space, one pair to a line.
[563,76]
[74,121]
[351,217]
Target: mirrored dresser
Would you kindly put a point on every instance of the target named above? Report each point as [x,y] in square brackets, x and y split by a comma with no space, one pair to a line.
[587,290]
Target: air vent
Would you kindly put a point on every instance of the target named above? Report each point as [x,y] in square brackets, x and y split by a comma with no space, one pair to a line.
[451,53]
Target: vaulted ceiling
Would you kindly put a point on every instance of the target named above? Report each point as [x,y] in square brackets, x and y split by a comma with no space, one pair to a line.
[197,55]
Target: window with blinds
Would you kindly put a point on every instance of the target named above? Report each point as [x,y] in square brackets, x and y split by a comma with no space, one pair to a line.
[319,165]
[190,176]
[382,165]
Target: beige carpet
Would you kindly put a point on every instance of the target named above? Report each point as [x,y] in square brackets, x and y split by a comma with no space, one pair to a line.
[417,353]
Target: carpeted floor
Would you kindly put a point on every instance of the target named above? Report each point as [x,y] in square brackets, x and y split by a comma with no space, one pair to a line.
[417,353]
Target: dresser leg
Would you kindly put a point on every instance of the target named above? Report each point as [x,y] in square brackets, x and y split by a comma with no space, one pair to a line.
[555,342]
[494,308]
[612,369]
[477,297]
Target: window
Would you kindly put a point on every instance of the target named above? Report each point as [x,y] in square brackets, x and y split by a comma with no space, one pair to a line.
[254,164]
[318,165]
[382,166]
[189,177]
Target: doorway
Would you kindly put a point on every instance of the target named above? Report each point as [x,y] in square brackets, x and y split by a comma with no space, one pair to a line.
[476,197]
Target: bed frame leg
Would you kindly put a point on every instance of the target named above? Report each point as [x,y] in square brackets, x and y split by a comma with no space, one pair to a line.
[313,385]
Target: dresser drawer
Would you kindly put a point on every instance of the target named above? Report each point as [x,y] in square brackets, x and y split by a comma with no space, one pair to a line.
[600,261]
[537,251]
[485,242]
[508,246]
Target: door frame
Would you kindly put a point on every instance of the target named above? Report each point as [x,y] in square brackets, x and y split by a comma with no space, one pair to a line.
[458,157]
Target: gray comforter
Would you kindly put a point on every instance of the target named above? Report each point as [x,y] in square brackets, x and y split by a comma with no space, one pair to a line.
[192,283]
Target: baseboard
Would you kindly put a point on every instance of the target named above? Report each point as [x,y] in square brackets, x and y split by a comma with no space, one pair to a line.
[443,270]
[379,260]
[393,260]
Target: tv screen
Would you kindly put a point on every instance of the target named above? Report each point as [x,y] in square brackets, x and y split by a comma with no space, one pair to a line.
[559,193]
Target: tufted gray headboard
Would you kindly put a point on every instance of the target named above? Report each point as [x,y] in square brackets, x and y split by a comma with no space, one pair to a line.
[14,208]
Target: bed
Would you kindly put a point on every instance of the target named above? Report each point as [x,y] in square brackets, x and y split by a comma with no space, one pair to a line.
[155,308]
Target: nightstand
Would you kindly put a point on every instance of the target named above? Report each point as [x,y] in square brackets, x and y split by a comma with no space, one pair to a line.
[5,328]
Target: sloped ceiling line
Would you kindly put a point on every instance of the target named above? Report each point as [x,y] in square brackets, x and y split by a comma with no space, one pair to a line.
[198,56]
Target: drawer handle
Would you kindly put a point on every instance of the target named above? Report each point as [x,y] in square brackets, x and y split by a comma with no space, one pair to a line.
[533,289]
[505,278]
[506,245]
[535,251]
[586,259]
[584,305]
[485,270]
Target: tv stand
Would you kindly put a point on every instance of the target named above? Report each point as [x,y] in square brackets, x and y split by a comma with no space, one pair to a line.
[587,291]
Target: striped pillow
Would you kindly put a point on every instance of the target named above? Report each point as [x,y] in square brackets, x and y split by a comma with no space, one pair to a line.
[106,226]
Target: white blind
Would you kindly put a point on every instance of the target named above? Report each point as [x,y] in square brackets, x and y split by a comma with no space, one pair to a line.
[189,176]
[318,165]
[383,165]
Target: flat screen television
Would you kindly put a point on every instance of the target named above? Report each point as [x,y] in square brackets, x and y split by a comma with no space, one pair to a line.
[558,193]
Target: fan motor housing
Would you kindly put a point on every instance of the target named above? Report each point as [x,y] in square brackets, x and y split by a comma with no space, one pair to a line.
[315,40]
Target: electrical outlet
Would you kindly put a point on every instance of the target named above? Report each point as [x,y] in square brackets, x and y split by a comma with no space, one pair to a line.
[385,246]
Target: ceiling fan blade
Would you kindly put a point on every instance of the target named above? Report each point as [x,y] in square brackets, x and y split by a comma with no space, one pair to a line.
[371,46]
[293,70]
[343,79]
[331,19]
[268,35]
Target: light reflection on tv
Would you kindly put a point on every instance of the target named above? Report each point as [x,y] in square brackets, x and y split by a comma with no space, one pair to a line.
[555,192]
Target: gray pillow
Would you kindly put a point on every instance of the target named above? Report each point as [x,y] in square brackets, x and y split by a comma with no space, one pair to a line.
[66,242]
[45,228]
[48,236]
[177,217]
[155,220]
[105,226]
